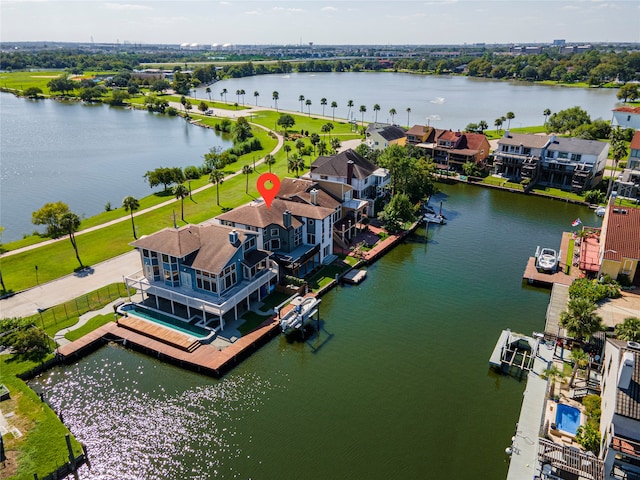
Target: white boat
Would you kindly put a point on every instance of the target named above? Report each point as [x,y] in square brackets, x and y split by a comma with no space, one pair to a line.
[438,218]
[600,211]
[547,260]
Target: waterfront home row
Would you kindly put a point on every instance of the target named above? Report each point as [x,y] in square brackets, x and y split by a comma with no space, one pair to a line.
[213,272]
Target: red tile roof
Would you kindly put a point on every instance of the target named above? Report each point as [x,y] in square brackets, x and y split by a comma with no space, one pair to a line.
[623,233]
[635,110]
[635,141]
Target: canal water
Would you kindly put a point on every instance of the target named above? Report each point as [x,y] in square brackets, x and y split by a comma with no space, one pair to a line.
[396,385]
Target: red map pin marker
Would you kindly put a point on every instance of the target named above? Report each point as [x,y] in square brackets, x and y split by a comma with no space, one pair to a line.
[268,194]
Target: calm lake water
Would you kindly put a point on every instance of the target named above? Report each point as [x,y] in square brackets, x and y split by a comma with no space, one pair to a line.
[442,101]
[396,386]
[85,156]
[88,155]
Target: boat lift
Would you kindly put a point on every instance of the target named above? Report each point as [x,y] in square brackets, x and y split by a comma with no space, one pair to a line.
[303,308]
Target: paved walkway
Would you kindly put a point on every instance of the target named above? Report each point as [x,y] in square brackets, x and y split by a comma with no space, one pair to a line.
[524,459]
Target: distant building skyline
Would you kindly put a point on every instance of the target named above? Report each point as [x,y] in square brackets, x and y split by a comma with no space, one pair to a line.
[357,22]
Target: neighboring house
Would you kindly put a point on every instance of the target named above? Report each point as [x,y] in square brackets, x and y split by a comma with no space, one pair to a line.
[381,136]
[450,150]
[573,163]
[420,134]
[366,180]
[208,271]
[566,163]
[619,246]
[300,235]
[620,417]
[627,184]
[626,117]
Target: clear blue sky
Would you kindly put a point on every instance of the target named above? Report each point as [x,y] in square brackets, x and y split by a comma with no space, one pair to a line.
[322,22]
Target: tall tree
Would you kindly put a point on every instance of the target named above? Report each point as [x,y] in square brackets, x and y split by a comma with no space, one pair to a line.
[567,120]
[393,114]
[301,100]
[256,94]
[224,92]
[287,149]
[208,90]
[286,121]
[546,114]
[580,360]
[350,105]
[363,109]
[510,116]
[131,204]
[307,102]
[580,319]
[498,124]
[296,163]
[323,102]
[275,96]
[49,215]
[334,105]
[326,128]
[247,170]
[269,160]
[181,192]
[70,222]
[408,113]
[376,109]
[217,177]
[482,126]
[314,139]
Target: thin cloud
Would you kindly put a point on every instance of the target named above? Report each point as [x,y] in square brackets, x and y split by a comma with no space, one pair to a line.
[329,9]
[287,10]
[126,6]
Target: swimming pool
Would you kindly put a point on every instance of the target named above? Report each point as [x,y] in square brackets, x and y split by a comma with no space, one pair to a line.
[567,418]
[166,320]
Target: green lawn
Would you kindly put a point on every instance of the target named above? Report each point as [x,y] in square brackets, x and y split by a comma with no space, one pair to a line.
[90,326]
[252,320]
[42,447]
[326,275]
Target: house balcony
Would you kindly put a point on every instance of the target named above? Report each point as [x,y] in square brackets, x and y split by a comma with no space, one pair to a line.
[210,303]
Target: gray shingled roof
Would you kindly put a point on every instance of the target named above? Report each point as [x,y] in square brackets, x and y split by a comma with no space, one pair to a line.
[628,401]
[525,139]
[577,145]
[258,215]
[336,165]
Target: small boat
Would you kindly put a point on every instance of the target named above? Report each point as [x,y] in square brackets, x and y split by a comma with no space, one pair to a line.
[547,260]
[600,211]
[430,216]
[434,218]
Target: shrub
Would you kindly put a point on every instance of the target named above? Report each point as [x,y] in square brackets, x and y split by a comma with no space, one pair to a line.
[192,172]
[594,290]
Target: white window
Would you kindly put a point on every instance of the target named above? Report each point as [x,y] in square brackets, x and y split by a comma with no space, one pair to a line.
[228,278]
[206,281]
[275,244]
[250,243]
[297,237]
[274,232]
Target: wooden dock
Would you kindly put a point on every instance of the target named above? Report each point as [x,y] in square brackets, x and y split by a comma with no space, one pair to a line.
[534,277]
[354,276]
[207,359]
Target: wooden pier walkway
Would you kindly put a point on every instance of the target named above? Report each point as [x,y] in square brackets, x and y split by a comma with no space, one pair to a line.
[533,276]
[207,359]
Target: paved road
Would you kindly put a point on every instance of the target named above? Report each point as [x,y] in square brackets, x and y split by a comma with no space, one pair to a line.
[67,288]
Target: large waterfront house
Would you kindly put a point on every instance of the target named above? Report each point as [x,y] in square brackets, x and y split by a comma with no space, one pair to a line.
[365,180]
[209,272]
[299,234]
[420,134]
[627,184]
[567,163]
[620,418]
[380,136]
[626,117]
[619,244]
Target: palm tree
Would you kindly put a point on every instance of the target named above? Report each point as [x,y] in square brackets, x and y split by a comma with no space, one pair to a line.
[363,109]
[629,329]
[393,113]
[308,104]
[131,204]
[238,95]
[482,125]
[553,374]
[335,144]
[326,128]
[314,139]
[580,319]
[350,105]
[247,170]
[287,149]
[224,92]
[242,93]
[322,148]
[275,95]
[301,100]
[546,114]
[181,192]
[183,101]
[323,102]
[510,116]
[376,109]
[408,113]
[618,152]
[580,360]
[256,94]
[334,105]
[70,222]
[208,90]
[217,177]
[498,124]
[269,160]
[296,162]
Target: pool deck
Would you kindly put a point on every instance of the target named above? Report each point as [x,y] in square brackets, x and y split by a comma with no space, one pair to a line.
[524,459]
[211,359]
